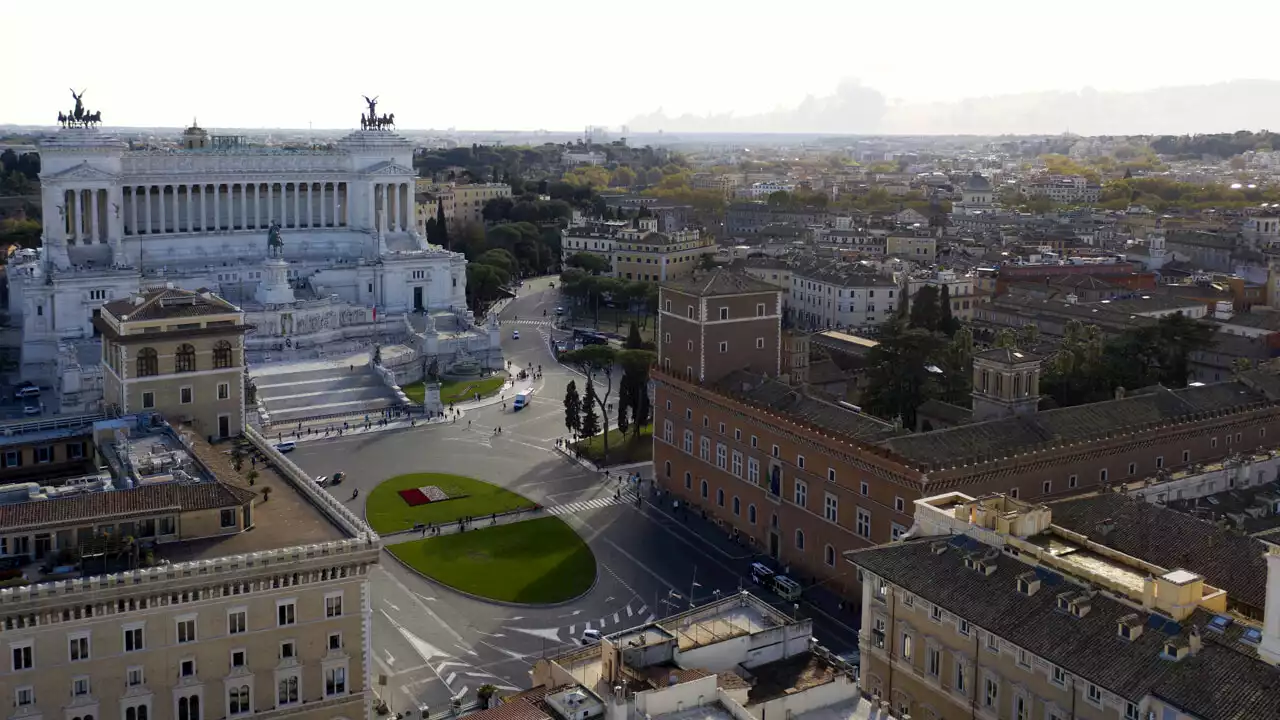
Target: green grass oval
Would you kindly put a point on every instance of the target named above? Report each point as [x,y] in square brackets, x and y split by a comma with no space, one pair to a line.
[387,512]
[532,562]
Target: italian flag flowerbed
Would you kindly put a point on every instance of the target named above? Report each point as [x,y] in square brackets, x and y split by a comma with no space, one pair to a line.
[423,495]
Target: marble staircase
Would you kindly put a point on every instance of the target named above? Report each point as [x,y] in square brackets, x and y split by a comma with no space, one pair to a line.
[293,395]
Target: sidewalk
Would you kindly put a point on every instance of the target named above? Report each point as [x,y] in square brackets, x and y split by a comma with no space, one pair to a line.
[356,423]
[453,528]
[817,597]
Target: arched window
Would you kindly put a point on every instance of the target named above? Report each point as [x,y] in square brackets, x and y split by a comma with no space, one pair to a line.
[666,467]
[830,556]
[142,712]
[720,497]
[148,362]
[737,506]
[799,539]
[751,514]
[222,354]
[705,490]
[184,708]
[238,700]
[688,480]
[131,713]
[185,359]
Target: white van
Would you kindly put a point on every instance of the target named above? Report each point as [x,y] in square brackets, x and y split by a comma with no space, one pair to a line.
[522,399]
[27,391]
[786,588]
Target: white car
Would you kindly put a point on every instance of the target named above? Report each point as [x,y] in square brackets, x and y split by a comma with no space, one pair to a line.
[515,334]
[321,480]
[590,637]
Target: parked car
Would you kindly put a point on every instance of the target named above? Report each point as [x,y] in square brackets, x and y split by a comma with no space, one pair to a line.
[590,637]
[31,410]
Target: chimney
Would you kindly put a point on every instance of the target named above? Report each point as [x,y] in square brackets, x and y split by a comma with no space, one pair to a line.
[1120,393]
[1105,527]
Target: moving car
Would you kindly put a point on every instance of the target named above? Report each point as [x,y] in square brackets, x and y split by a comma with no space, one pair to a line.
[286,446]
[559,311]
[31,410]
[590,637]
[522,399]
[515,334]
[26,390]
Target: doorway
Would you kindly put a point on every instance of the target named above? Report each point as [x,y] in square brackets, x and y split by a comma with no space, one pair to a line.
[224,426]
[417,298]
[773,545]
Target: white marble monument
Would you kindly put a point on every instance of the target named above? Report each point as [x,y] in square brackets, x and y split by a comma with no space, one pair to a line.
[118,219]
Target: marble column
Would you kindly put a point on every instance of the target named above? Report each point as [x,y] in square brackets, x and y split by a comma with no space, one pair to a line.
[94,229]
[244,206]
[372,217]
[406,191]
[217,207]
[133,209]
[337,204]
[321,204]
[310,218]
[191,221]
[270,208]
[149,226]
[297,205]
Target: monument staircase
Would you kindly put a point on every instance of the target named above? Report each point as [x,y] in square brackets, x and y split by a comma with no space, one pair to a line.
[302,391]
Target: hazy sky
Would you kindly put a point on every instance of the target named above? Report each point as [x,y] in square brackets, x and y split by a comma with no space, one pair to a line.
[563,64]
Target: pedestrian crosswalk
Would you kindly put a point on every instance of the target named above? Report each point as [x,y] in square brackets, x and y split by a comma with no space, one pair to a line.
[596,504]
[544,321]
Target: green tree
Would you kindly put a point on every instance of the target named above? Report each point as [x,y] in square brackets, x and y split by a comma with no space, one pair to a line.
[572,408]
[593,264]
[899,372]
[925,313]
[500,259]
[442,229]
[592,360]
[589,423]
[1006,338]
[1028,336]
[485,694]
[624,422]
[634,385]
[634,341]
[947,323]
[957,380]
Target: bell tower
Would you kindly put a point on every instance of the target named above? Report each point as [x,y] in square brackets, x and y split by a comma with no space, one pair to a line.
[1006,382]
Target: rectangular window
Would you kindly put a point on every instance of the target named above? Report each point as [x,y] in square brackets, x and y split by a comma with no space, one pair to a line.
[335,641]
[933,662]
[237,658]
[287,691]
[960,678]
[237,621]
[759,343]
[830,508]
[286,613]
[863,526]
[724,347]
[186,630]
[831,474]
[759,309]
[896,531]
[1130,711]
[801,493]
[78,648]
[184,395]
[224,391]
[228,517]
[704,449]
[906,646]
[722,456]
[753,471]
[899,505]
[133,638]
[736,467]
[335,681]
[1058,676]
[800,461]
[962,627]
[991,698]
[148,400]
[333,605]
[287,650]
[187,668]
[724,313]
[1102,475]
[24,696]
[135,676]
[1073,481]
[23,656]
[1094,693]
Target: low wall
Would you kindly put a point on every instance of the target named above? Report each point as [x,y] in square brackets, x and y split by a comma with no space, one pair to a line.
[303,483]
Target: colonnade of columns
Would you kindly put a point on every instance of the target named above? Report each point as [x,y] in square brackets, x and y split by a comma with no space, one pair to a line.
[85,215]
[210,207]
[391,206]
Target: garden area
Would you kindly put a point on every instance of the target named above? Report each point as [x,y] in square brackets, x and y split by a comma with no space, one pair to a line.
[452,391]
[622,450]
[404,501]
[535,561]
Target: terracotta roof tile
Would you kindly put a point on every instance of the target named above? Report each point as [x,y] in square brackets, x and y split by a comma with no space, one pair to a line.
[121,504]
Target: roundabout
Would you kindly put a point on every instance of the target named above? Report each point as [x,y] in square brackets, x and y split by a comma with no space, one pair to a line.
[485,542]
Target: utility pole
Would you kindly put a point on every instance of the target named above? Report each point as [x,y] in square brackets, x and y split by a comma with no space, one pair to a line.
[693,584]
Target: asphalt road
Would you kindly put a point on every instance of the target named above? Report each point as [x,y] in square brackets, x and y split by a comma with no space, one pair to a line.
[433,643]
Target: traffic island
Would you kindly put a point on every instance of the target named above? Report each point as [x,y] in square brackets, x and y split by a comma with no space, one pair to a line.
[407,501]
[534,562]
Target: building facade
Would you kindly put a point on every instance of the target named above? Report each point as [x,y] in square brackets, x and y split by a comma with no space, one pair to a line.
[639,251]
[179,353]
[840,296]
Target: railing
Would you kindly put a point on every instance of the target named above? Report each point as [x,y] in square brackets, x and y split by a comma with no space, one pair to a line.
[19,427]
[304,484]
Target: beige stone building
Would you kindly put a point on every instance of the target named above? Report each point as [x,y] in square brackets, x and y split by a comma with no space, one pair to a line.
[179,353]
[182,594]
[640,252]
[1099,607]
[462,203]
[917,247]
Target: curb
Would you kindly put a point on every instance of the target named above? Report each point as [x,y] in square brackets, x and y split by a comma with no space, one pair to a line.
[505,603]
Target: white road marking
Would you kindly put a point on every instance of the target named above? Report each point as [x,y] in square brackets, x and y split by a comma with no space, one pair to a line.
[391,605]
[391,659]
[650,619]
[588,627]
[630,612]
[572,628]
[615,618]
[454,633]
[452,663]
[545,633]
[449,680]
